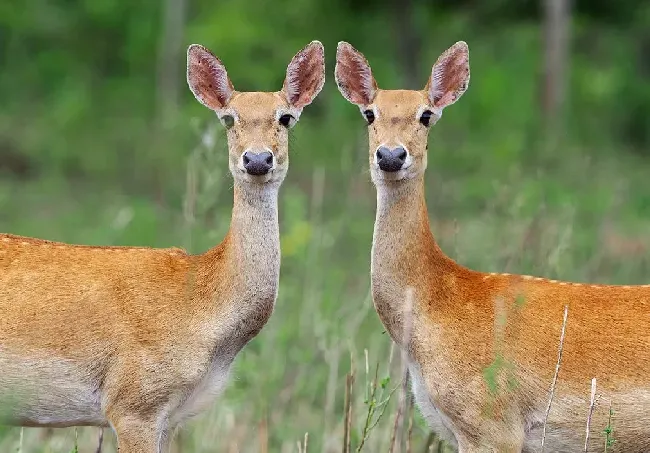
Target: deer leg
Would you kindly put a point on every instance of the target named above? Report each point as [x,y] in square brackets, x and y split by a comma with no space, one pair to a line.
[139,436]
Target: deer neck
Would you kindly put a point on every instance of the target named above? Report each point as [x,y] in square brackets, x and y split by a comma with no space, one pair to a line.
[254,224]
[406,260]
[242,273]
[254,237]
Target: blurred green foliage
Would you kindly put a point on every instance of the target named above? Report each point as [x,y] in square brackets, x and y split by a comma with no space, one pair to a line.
[99,136]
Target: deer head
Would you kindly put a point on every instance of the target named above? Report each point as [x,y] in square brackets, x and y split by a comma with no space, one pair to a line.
[399,120]
[257,123]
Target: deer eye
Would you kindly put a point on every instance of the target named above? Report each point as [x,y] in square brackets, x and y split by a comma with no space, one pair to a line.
[228,121]
[286,120]
[370,116]
[426,117]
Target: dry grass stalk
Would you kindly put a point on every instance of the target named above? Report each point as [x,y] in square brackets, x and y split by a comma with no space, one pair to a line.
[264,435]
[302,446]
[409,434]
[349,379]
[557,370]
[393,436]
[592,403]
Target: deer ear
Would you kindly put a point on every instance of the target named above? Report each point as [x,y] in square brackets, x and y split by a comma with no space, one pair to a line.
[305,75]
[354,76]
[449,76]
[207,78]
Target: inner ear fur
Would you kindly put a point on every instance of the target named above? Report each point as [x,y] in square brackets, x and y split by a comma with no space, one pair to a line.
[207,78]
[305,75]
[354,76]
[449,76]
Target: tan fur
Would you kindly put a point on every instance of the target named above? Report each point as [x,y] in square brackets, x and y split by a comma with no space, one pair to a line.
[140,338]
[483,347]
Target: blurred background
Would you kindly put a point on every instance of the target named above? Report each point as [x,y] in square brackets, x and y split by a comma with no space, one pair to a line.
[541,168]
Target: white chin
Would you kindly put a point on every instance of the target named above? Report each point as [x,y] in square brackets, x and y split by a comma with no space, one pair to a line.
[273,177]
[399,175]
[261,179]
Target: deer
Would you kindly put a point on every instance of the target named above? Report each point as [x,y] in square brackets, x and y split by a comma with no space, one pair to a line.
[482,348]
[141,339]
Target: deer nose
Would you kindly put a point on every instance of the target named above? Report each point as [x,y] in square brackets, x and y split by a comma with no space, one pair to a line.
[257,163]
[391,160]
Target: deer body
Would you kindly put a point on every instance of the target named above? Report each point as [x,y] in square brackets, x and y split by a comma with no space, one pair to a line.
[140,339]
[151,315]
[483,347]
[455,327]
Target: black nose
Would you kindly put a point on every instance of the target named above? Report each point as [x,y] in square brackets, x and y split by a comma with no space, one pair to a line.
[257,163]
[391,160]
